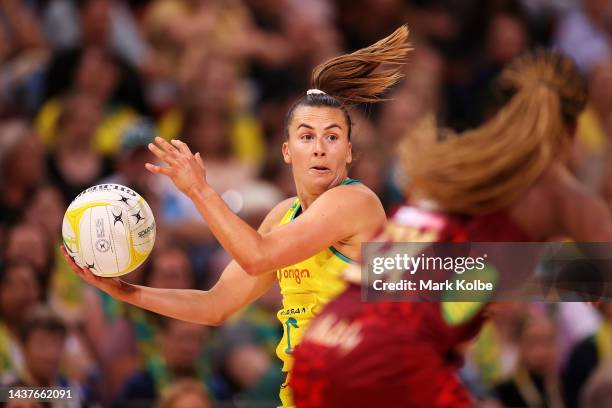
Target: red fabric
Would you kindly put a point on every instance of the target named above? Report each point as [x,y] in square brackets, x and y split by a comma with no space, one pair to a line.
[405,355]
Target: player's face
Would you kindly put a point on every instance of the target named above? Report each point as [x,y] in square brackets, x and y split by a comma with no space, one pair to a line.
[318,147]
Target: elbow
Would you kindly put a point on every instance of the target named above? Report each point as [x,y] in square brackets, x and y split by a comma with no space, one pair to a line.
[255,266]
[252,269]
[218,320]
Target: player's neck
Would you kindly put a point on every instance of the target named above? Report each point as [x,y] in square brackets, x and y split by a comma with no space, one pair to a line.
[306,199]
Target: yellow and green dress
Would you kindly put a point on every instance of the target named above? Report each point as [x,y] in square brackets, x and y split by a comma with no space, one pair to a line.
[306,287]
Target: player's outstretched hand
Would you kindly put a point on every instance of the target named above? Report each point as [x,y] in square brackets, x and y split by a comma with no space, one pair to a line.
[113,286]
[185,169]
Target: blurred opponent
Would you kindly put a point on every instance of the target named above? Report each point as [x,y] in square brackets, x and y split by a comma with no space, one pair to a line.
[504,181]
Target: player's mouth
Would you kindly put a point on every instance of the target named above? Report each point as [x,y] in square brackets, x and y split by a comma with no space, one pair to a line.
[320,169]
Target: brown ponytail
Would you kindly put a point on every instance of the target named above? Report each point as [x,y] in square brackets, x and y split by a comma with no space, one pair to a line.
[486,169]
[359,77]
[355,77]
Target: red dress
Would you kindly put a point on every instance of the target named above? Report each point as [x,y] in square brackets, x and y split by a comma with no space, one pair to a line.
[389,354]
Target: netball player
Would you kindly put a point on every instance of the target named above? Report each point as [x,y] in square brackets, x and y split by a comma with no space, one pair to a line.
[304,242]
[505,181]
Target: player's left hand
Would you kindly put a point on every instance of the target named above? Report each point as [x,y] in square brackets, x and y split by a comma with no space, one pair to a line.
[185,169]
[113,286]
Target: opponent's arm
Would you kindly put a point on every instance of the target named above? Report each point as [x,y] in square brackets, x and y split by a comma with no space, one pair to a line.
[234,290]
[583,215]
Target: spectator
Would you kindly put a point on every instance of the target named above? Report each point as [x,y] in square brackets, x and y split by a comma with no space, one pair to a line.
[97,75]
[73,165]
[536,381]
[169,268]
[493,357]
[21,169]
[182,348]
[20,291]
[593,146]
[68,24]
[587,356]
[185,394]
[584,33]
[29,242]
[42,336]
[23,56]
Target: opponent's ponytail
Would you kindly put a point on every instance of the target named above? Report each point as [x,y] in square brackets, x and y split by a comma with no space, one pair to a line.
[486,169]
[360,77]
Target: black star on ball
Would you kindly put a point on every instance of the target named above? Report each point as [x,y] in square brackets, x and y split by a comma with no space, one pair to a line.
[138,217]
[117,218]
[92,266]
[124,199]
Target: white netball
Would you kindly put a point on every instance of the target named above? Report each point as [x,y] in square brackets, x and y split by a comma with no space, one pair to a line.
[110,229]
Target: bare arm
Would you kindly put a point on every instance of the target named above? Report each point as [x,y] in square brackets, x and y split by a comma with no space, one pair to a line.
[351,211]
[234,290]
[583,215]
[336,215]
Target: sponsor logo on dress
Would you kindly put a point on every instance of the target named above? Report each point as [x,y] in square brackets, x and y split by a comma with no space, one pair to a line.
[293,273]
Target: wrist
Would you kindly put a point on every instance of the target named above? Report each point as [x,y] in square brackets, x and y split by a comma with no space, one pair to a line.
[200,191]
[123,291]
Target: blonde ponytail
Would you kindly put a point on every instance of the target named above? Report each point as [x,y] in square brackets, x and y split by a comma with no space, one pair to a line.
[486,169]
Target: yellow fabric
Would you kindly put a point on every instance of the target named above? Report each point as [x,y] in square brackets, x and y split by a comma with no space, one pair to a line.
[590,132]
[6,363]
[66,287]
[247,139]
[485,352]
[46,120]
[170,123]
[603,340]
[306,288]
[108,134]
[286,397]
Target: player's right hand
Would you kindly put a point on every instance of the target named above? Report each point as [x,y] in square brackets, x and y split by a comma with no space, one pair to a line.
[185,169]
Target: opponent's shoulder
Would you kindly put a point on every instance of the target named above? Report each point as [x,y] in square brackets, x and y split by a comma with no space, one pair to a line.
[562,188]
[275,215]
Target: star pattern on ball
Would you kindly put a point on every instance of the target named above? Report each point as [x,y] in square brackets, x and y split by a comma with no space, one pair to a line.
[138,216]
[117,218]
[92,266]
[123,198]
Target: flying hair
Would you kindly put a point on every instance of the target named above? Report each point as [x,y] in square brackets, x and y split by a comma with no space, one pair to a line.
[487,168]
[364,75]
[361,77]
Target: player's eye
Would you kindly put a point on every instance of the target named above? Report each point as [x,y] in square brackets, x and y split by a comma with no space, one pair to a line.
[333,138]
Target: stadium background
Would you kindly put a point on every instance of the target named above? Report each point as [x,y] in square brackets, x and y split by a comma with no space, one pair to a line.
[84,86]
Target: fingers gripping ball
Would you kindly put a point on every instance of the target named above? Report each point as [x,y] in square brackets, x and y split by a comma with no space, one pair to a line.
[110,229]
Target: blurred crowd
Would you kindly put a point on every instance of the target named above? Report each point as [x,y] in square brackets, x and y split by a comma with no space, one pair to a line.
[86,84]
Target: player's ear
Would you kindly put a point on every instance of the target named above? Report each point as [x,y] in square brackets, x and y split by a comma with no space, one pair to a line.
[286,153]
[349,154]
